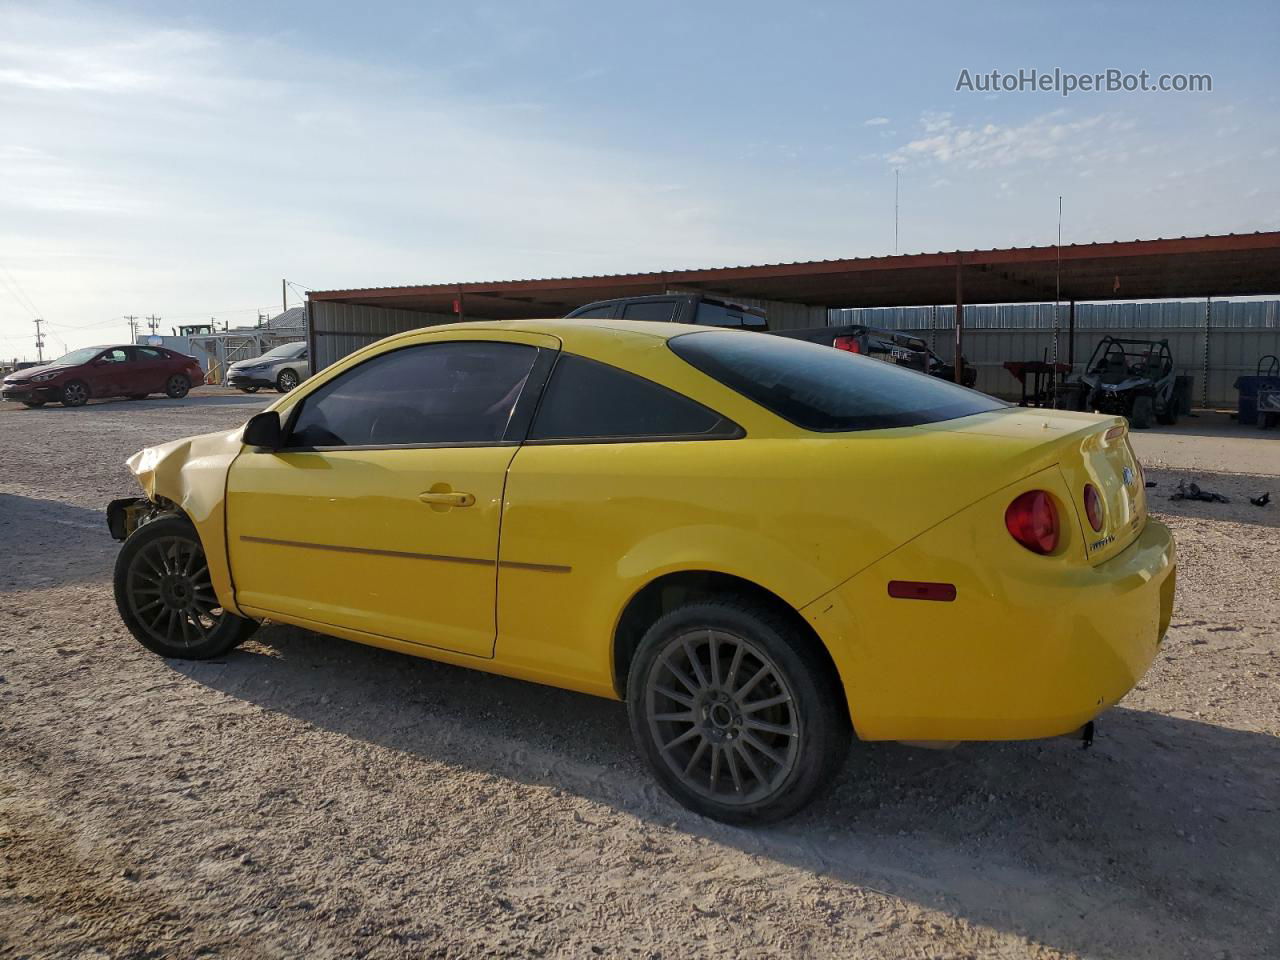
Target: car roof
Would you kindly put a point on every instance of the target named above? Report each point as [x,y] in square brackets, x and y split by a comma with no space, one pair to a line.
[566,329]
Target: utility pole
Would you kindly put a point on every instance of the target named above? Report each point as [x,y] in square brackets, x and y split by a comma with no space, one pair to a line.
[895,212]
[153,322]
[39,341]
[133,327]
[284,296]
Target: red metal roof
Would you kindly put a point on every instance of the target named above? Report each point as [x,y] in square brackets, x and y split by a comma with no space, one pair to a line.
[1222,265]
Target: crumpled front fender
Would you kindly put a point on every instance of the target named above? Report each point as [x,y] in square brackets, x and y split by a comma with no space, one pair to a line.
[192,474]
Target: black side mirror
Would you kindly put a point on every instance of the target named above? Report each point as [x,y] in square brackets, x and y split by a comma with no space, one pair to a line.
[263,430]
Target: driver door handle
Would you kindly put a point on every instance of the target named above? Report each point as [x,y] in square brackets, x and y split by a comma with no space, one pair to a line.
[448,499]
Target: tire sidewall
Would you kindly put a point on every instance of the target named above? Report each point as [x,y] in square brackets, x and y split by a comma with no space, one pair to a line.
[282,385]
[182,385]
[822,717]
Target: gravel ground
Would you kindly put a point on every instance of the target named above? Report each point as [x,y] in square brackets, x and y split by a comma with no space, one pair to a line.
[310,796]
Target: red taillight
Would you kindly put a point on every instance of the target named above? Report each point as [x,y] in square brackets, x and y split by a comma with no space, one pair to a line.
[847,343]
[1093,506]
[1032,520]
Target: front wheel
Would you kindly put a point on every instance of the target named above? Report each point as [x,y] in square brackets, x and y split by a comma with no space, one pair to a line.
[1143,412]
[286,381]
[738,714]
[165,595]
[177,387]
[75,394]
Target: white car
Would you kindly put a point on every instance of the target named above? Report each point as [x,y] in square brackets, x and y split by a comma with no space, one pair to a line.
[282,367]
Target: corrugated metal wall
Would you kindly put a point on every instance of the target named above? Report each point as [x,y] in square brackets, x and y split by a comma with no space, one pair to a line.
[340,328]
[1238,333]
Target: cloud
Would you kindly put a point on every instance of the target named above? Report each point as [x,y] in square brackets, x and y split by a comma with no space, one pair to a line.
[980,146]
[875,122]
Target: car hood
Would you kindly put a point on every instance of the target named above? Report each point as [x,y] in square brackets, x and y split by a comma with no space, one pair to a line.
[27,372]
[190,471]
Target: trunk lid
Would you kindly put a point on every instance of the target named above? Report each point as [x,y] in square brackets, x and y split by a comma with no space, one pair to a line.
[1088,449]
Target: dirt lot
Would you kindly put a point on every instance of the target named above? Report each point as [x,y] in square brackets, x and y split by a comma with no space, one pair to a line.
[312,797]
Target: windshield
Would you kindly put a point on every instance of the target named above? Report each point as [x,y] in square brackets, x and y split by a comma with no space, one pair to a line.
[826,390]
[285,350]
[75,357]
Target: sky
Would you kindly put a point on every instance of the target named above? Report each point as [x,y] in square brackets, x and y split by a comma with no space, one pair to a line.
[180,159]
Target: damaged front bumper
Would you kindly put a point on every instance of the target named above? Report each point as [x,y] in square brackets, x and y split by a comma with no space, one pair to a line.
[125,515]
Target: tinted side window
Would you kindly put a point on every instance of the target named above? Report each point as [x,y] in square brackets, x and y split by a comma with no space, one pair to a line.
[149,353]
[586,400]
[822,389]
[651,310]
[115,355]
[595,312]
[458,392]
[718,315]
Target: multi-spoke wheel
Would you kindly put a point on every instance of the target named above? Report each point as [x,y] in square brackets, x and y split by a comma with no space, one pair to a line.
[738,714]
[177,387]
[165,594]
[75,394]
[287,380]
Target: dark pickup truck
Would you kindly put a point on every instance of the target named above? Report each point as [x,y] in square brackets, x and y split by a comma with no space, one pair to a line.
[892,346]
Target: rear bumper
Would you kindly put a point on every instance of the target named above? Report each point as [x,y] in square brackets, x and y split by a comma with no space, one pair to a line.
[1030,648]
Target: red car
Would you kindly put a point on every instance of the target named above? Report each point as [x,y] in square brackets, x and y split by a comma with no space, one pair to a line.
[124,371]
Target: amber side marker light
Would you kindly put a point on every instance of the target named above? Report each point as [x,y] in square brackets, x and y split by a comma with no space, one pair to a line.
[1114,433]
[1032,520]
[919,590]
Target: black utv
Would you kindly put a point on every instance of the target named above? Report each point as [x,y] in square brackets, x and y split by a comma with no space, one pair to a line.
[1135,379]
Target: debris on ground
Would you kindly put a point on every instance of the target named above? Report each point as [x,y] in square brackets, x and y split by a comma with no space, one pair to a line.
[1261,501]
[1189,490]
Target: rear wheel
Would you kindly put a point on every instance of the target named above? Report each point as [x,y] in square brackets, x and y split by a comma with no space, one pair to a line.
[177,387]
[1143,411]
[75,394]
[736,713]
[165,595]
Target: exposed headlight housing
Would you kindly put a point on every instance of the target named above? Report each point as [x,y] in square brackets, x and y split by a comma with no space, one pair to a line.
[42,377]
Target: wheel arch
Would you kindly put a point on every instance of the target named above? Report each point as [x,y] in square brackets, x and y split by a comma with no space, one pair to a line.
[670,590]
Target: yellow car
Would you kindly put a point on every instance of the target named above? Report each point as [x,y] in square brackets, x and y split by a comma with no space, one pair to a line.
[762,545]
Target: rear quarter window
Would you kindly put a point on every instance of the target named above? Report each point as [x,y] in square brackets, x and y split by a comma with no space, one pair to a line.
[822,389]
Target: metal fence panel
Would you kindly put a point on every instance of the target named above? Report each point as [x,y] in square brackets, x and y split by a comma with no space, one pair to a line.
[343,328]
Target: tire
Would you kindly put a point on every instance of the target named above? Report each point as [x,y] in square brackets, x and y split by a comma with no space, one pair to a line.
[286,381]
[139,396]
[753,774]
[247,389]
[1169,415]
[177,387]
[75,394]
[33,404]
[165,596]
[1142,413]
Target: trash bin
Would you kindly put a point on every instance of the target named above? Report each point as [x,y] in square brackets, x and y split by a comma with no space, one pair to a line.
[1266,377]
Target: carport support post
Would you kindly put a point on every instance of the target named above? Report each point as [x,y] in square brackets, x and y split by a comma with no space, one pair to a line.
[1071,337]
[959,324]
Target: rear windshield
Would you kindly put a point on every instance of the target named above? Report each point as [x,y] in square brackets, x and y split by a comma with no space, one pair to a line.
[822,389]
